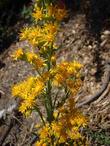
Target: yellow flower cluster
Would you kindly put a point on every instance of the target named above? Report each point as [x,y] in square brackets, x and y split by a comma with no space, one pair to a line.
[67,73]
[30,57]
[58,12]
[38,13]
[54,11]
[18,54]
[28,90]
[62,122]
[44,35]
[74,85]
[65,128]
[35,60]
[40,36]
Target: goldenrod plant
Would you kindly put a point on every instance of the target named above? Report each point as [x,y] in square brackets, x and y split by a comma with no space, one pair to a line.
[55,84]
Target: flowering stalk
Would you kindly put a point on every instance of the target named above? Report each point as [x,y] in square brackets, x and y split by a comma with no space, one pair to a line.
[61,123]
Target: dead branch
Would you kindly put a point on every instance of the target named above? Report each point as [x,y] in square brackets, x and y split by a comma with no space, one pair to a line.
[6,132]
[94,97]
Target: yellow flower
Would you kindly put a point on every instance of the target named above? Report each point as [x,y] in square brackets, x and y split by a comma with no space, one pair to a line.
[45,76]
[27,105]
[31,56]
[55,114]
[53,60]
[65,128]
[74,85]
[38,63]
[37,126]
[74,134]
[31,34]
[48,38]
[67,73]
[58,79]
[44,144]
[38,14]
[73,67]
[77,65]
[28,90]
[60,12]
[24,33]
[51,10]
[44,132]
[57,12]
[51,27]
[18,54]
[40,143]
[35,60]
[56,127]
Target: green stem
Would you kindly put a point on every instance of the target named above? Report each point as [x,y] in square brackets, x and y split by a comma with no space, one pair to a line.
[64,99]
[48,90]
[54,104]
[39,73]
[40,114]
[46,105]
[49,102]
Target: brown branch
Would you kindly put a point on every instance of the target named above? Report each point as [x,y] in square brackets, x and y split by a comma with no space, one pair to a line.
[6,132]
[93,98]
[3,114]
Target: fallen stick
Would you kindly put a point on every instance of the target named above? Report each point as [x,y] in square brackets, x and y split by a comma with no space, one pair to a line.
[93,98]
[13,113]
[6,133]
[3,114]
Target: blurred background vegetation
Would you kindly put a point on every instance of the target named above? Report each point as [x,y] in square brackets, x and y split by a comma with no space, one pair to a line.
[11,16]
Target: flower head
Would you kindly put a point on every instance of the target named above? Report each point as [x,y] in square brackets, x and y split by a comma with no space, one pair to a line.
[28,90]
[38,13]
[18,54]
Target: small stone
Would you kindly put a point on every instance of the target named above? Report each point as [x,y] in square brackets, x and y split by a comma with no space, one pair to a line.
[93,71]
[90,47]
[103,37]
[106,32]
[73,31]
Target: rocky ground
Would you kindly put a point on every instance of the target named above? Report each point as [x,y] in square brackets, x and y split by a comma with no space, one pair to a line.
[79,44]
